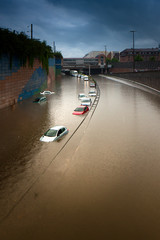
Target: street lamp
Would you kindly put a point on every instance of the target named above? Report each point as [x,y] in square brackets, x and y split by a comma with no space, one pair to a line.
[133,50]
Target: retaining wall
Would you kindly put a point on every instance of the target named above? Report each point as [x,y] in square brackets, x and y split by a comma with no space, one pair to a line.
[18,83]
[151,79]
[119,67]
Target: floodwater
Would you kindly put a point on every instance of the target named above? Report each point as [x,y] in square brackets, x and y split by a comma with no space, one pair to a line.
[104,183]
[23,157]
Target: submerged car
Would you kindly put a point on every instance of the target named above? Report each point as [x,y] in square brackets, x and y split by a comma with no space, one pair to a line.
[85,78]
[81,96]
[80,110]
[40,99]
[46,92]
[54,133]
[92,84]
[86,102]
[79,75]
[92,93]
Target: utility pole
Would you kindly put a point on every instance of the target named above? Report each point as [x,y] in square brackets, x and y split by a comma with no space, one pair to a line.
[133,51]
[54,47]
[31,30]
[89,70]
[105,50]
[105,59]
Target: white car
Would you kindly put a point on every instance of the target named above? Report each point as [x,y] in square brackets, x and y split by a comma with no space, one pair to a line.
[92,84]
[86,102]
[92,93]
[46,92]
[85,78]
[81,96]
[54,134]
[40,99]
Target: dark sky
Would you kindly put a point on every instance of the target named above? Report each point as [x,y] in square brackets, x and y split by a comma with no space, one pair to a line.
[79,27]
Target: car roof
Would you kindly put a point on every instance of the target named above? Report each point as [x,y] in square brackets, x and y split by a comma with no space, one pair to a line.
[81,106]
[86,99]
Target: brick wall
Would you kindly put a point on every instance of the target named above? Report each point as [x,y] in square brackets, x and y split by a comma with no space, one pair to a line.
[18,83]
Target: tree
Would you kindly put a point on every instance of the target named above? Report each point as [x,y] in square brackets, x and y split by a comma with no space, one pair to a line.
[20,45]
[138,58]
[108,61]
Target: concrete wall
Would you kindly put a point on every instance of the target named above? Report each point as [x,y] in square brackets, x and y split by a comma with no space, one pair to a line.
[119,67]
[151,79]
[18,83]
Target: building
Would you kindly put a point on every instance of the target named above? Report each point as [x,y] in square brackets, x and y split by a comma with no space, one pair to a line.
[147,54]
[94,58]
[94,54]
[79,61]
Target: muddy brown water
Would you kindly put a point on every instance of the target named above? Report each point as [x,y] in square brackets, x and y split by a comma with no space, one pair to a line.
[104,184]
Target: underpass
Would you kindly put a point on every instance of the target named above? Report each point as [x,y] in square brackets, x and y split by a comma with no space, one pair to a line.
[104,184]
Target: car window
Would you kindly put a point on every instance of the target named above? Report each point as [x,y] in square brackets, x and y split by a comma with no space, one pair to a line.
[59,132]
[79,109]
[63,129]
[51,133]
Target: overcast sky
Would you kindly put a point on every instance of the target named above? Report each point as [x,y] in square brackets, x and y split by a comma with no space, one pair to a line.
[78,27]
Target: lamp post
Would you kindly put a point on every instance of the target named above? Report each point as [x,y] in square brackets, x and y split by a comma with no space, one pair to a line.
[133,50]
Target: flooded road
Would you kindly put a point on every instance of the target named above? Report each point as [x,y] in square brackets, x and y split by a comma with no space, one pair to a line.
[23,157]
[104,184]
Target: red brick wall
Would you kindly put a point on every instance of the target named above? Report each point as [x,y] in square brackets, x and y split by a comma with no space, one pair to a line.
[12,85]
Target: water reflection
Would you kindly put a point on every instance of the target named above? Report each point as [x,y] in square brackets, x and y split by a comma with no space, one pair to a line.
[23,157]
[108,185]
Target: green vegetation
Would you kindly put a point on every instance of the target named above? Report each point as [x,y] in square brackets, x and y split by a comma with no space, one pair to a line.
[138,58]
[111,60]
[20,45]
[152,58]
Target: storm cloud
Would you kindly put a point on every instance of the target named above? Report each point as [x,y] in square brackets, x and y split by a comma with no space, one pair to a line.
[78,27]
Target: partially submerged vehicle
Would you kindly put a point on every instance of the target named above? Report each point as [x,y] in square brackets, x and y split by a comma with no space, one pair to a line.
[92,93]
[80,110]
[92,84]
[74,73]
[86,102]
[47,92]
[85,78]
[40,99]
[54,133]
[81,96]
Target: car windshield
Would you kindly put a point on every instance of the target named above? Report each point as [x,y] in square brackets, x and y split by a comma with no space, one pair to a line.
[51,133]
[86,100]
[79,109]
